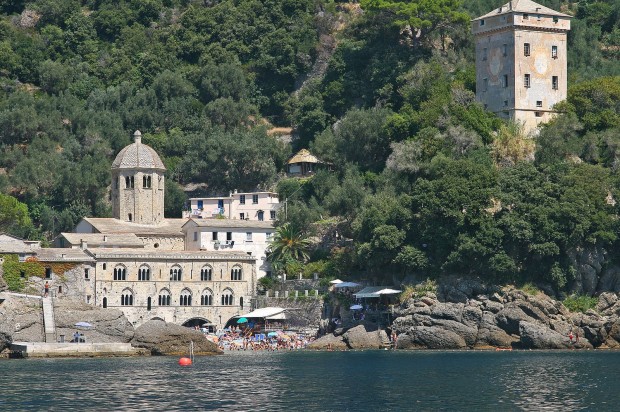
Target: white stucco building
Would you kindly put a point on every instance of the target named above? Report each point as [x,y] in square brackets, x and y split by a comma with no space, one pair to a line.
[260,206]
[521,61]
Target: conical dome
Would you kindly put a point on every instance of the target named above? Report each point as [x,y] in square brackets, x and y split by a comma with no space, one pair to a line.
[138,156]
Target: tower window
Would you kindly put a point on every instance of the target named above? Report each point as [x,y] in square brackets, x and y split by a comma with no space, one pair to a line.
[538,103]
[526,80]
[484,54]
[482,22]
[526,49]
[129,217]
[485,84]
[505,102]
[526,16]
[538,114]
[505,80]
[555,19]
[554,52]
[554,82]
[146,182]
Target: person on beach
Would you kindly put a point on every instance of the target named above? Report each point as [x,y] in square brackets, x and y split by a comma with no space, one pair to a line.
[570,336]
[46,289]
[76,337]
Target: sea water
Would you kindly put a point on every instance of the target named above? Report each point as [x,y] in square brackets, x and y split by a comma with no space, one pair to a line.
[319,381]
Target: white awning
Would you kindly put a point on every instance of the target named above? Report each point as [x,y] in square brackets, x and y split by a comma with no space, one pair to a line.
[268,313]
[375,292]
[347,285]
[335,281]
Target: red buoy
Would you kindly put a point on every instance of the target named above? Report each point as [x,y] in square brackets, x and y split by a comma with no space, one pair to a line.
[185,362]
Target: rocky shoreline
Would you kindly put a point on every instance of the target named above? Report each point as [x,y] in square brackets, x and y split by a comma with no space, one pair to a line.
[470,315]
[21,320]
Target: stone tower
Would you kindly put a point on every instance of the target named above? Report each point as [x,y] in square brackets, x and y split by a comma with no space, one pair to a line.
[521,61]
[138,184]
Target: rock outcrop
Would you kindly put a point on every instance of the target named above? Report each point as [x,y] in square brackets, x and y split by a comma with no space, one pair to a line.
[163,338]
[471,315]
[363,336]
[109,325]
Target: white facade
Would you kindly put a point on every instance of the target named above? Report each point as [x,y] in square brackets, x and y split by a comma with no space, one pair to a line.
[251,237]
[260,206]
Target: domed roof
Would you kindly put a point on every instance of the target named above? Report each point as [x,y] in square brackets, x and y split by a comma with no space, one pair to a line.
[138,156]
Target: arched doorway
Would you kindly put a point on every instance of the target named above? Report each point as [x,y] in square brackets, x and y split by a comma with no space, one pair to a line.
[105,303]
[200,323]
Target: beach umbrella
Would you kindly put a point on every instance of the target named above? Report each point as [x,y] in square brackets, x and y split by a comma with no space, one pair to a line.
[83,325]
[242,320]
[335,281]
[355,307]
[271,334]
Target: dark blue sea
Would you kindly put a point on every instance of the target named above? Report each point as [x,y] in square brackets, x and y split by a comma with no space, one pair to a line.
[319,381]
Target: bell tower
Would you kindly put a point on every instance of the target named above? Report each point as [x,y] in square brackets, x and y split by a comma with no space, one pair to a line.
[138,184]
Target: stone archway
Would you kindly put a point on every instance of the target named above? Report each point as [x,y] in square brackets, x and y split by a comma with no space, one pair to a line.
[199,322]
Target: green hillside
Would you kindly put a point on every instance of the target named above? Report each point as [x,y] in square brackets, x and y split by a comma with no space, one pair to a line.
[424,182]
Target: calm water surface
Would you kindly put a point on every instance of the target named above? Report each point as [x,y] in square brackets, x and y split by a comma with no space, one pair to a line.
[319,381]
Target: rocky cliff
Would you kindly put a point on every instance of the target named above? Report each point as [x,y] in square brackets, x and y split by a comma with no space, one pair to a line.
[470,315]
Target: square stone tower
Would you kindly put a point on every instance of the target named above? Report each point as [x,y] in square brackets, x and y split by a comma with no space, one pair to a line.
[521,61]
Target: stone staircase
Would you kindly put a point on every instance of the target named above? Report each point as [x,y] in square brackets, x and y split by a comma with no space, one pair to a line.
[48,320]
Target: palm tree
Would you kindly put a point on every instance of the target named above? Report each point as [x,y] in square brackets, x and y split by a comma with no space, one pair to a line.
[288,243]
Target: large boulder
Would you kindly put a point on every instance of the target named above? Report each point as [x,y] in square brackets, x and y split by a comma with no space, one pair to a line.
[609,280]
[430,337]
[329,341]
[365,337]
[21,319]
[536,336]
[109,325]
[163,338]
[509,318]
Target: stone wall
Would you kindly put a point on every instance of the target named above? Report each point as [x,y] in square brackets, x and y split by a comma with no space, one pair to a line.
[301,313]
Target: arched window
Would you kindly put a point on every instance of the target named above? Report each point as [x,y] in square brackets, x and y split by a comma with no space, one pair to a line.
[105,303]
[130,217]
[164,297]
[146,182]
[144,273]
[241,302]
[148,303]
[127,182]
[120,272]
[206,299]
[206,272]
[235,273]
[228,297]
[186,298]
[127,297]
[175,272]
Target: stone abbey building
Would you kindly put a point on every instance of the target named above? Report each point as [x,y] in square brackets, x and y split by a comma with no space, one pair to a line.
[521,61]
[150,266]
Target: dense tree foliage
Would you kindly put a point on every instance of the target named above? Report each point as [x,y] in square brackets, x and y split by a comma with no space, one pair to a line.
[419,178]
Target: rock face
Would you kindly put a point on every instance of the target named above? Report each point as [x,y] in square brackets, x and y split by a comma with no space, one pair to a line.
[21,319]
[109,325]
[470,315]
[329,341]
[362,336]
[163,338]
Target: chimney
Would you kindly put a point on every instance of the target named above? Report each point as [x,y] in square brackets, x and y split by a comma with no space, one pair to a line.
[235,192]
[137,136]
[83,244]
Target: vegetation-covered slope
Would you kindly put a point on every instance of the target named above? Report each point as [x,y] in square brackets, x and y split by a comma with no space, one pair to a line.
[425,181]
